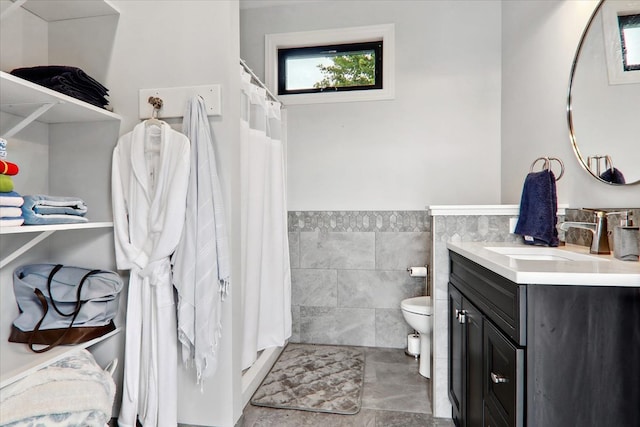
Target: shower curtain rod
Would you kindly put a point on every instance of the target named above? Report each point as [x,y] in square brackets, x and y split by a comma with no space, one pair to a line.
[253,75]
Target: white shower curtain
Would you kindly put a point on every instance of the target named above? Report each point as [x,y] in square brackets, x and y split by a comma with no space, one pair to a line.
[266,274]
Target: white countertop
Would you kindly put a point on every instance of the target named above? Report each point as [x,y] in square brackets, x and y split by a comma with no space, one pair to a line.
[607,272]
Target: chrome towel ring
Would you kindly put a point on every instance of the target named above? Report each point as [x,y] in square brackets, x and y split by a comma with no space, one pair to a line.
[547,165]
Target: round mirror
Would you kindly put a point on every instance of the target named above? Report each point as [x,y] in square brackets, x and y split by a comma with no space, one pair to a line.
[603,106]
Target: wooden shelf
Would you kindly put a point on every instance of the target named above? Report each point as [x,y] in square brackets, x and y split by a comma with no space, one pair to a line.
[60,10]
[17,360]
[21,97]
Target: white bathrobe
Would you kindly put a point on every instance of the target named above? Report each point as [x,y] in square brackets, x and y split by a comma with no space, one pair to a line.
[149,187]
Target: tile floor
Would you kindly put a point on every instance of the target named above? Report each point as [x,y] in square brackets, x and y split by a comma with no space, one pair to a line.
[394,394]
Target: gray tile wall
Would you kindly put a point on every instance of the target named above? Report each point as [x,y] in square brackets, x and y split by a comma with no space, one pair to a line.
[454,228]
[348,274]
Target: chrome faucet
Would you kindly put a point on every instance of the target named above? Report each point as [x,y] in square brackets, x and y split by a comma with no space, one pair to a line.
[600,242]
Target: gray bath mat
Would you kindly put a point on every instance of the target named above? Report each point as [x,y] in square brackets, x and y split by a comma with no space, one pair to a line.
[319,378]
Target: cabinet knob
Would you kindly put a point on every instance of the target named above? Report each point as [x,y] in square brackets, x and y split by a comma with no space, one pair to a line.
[461,316]
[497,378]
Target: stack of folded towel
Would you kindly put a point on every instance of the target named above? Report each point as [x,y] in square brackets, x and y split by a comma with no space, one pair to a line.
[71,81]
[41,209]
[10,212]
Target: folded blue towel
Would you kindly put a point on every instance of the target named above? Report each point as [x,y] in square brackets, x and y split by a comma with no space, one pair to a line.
[613,175]
[48,205]
[538,207]
[11,198]
[56,210]
[79,210]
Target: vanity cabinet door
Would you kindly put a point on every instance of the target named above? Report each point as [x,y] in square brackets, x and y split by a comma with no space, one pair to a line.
[492,420]
[503,378]
[466,360]
[474,325]
[456,357]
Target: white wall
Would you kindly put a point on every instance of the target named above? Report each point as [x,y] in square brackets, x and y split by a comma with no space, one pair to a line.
[183,43]
[539,42]
[437,142]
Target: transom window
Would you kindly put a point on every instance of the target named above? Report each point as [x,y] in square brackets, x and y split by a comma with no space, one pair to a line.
[332,65]
[337,67]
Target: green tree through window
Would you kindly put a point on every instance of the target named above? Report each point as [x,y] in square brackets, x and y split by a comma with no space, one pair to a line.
[350,69]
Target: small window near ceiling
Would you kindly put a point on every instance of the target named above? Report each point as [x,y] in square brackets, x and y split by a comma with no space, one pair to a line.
[330,68]
[332,65]
[630,41]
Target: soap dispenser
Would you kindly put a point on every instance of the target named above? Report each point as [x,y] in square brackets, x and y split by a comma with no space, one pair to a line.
[625,238]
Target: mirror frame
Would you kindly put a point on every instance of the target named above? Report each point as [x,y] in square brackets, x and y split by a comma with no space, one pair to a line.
[572,136]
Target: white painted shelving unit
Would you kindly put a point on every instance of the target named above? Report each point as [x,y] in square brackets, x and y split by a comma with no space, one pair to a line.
[43,231]
[18,361]
[32,102]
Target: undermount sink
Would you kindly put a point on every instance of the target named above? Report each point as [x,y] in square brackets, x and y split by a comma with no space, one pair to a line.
[541,253]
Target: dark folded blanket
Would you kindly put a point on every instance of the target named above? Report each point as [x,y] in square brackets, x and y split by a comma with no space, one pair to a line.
[78,94]
[538,207]
[43,72]
[71,81]
[64,79]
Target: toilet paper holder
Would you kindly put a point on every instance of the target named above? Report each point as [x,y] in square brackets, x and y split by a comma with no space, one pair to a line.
[418,271]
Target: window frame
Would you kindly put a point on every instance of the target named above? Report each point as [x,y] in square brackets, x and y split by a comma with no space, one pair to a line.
[613,43]
[292,52]
[308,39]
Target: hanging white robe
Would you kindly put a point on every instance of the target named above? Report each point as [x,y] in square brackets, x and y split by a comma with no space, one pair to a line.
[149,187]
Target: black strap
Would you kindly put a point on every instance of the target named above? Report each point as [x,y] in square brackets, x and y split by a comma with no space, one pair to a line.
[79,302]
[45,309]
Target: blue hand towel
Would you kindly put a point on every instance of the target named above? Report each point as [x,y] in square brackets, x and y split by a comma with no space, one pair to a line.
[32,204]
[538,207]
[613,175]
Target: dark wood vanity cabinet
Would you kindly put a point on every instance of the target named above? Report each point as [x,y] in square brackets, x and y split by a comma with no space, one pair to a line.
[541,355]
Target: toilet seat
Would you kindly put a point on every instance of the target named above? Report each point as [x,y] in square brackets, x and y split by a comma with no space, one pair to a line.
[417,305]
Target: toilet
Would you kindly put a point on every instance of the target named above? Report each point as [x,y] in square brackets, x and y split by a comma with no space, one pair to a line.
[417,312]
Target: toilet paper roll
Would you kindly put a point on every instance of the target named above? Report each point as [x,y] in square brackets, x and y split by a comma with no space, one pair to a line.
[417,271]
[413,344]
